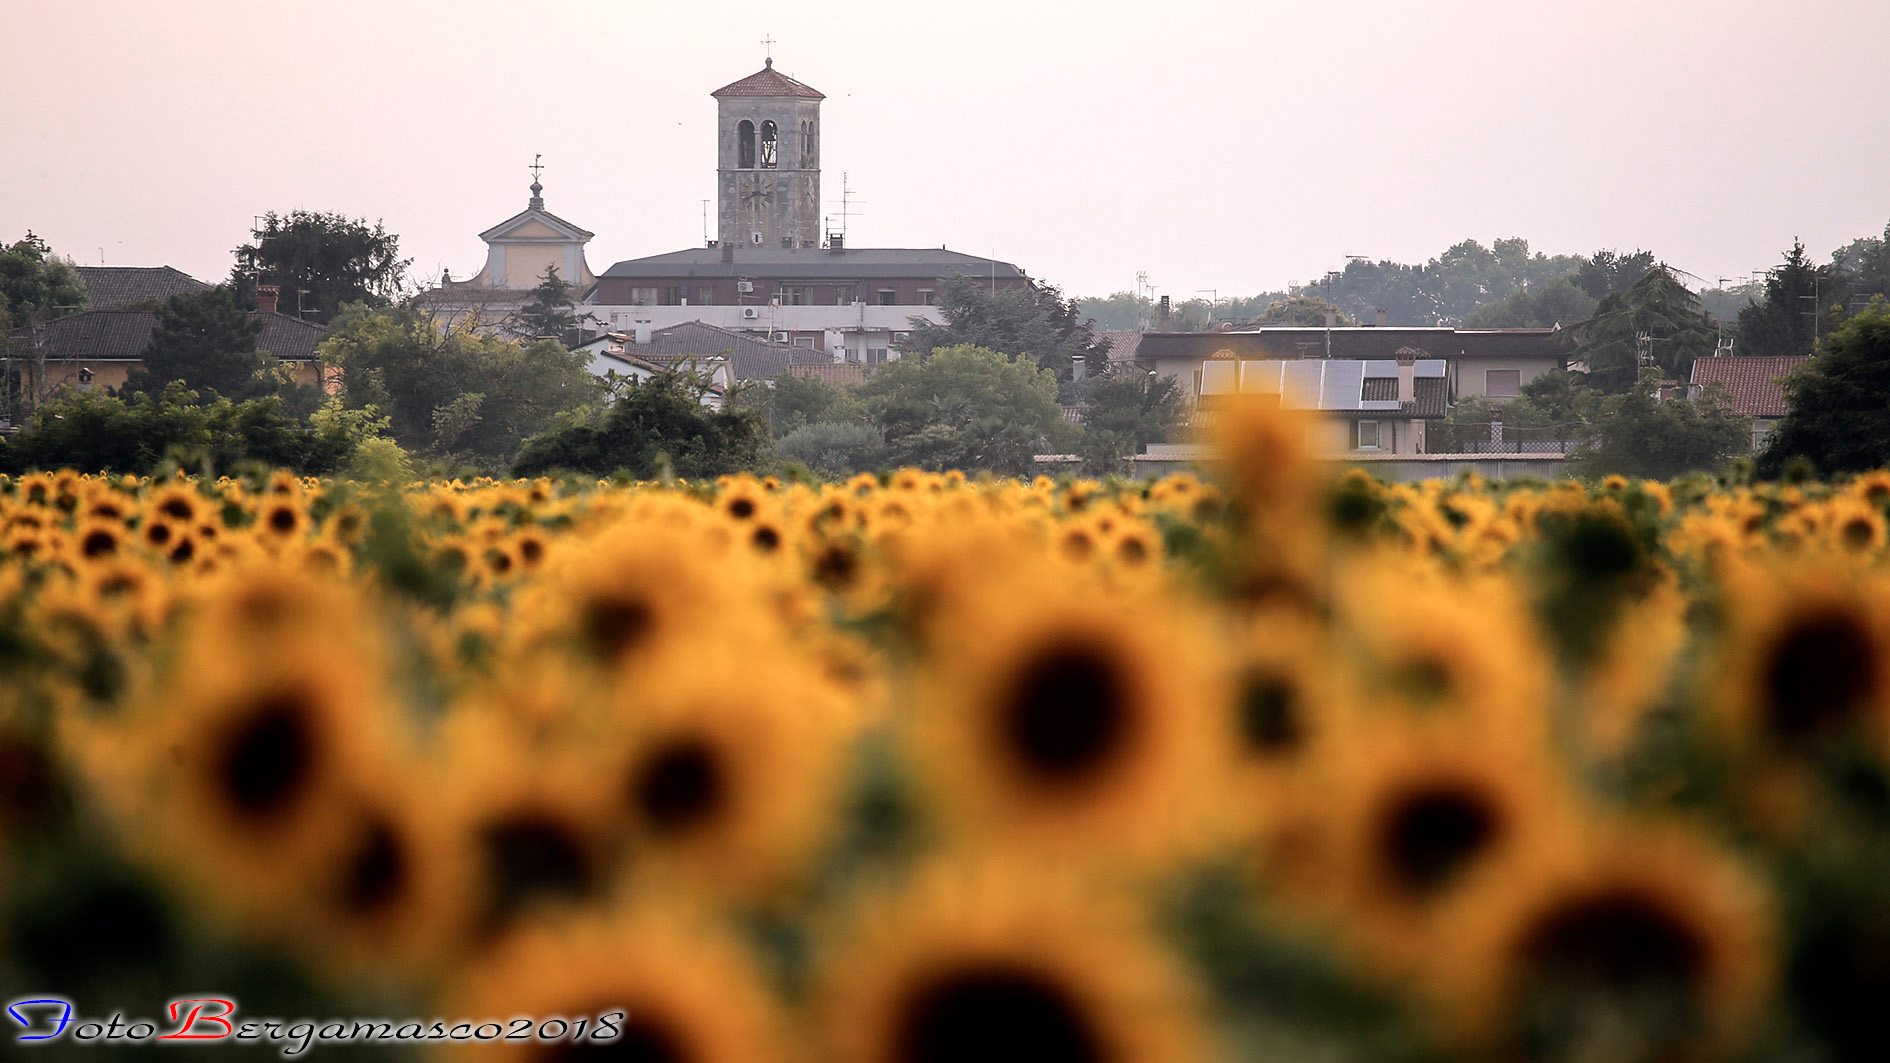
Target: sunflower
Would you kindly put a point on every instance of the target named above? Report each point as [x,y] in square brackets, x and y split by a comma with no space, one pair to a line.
[98,538]
[671,984]
[280,517]
[179,502]
[729,779]
[1649,924]
[1805,657]
[987,963]
[1072,720]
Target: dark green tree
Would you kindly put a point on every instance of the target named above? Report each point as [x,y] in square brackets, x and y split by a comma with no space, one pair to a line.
[1606,273]
[1126,409]
[1558,302]
[1034,323]
[1636,433]
[654,428]
[1839,417]
[548,314]
[1657,320]
[1308,310]
[967,407]
[835,449]
[35,286]
[1859,271]
[454,392]
[1784,318]
[204,342]
[332,258]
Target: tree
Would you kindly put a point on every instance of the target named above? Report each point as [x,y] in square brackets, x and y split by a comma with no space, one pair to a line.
[1638,434]
[1127,410]
[1657,318]
[334,259]
[655,428]
[1783,320]
[966,407]
[1608,272]
[454,391]
[204,342]
[36,287]
[1309,310]
[1033,323]
[548,313]
[835,449]
[1839,413]
[1558,302]
[796,401]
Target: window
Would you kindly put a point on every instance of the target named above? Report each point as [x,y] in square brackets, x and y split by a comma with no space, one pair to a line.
[926,298]
[804,341]
[769,148]
[745,145]
[705,296]
[843,295]
[876,356]
[1367,435]
[1502,383]
[643,297]
[672,295]
[795,295]
[886,297]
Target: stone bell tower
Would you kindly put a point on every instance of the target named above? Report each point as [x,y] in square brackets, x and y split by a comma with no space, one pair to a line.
[767,180]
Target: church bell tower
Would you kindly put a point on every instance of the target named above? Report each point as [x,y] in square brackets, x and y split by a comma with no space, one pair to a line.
[767,178]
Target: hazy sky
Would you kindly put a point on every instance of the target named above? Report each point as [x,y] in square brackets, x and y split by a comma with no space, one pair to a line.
[1232,146]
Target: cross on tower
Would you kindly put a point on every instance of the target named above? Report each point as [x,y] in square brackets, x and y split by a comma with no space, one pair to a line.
[536,166]
[768,43]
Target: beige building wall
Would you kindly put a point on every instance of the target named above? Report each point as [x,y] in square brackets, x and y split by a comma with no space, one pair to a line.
[1471,378]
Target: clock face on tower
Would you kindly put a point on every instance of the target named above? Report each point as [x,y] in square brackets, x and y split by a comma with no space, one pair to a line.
[757,195]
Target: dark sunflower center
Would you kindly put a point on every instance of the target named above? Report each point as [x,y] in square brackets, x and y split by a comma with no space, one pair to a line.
[995,1013]
[1270,714]
[836,568]
[159,534]
[531,550]
[1427,837]
[1068,715]
[618,625]
[268,759]
[282,519]
[741,508]
[531,855]
[176,508]
[766,538]
[1858,533]
[98,542]
[680,786]
[1616,940]
[1132,551]
[376,872]
[640,1040]
[1820,672]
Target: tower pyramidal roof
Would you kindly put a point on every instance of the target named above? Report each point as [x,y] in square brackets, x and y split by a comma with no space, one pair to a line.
[769,82]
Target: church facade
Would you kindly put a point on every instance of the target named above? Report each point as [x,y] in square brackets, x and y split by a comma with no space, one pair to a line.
[519,252]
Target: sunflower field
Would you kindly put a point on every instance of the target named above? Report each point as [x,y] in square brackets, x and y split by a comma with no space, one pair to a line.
[1274,764]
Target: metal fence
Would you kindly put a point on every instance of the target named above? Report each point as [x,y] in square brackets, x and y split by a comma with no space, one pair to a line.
[1495,437]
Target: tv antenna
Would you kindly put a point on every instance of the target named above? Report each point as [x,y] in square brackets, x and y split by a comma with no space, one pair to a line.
[846,204]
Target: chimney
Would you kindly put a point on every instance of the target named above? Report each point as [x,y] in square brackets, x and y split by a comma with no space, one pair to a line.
[1079,368]
[728,251]
[643,333]
[1407,370]
[836,241]
[1162,314]
[267,296]
[1381,317]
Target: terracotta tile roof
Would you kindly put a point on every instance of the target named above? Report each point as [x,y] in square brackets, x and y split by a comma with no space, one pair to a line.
[749,358]
[769,82]
[115,287]
[845,373]
[121,336]
[1752,381]
[1122,345]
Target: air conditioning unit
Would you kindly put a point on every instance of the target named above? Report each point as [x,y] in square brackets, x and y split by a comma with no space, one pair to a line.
[749,313]
[783,337]
[901,337]
[744,287]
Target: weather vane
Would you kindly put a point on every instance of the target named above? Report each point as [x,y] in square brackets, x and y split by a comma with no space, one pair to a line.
[768,43]
[536,166]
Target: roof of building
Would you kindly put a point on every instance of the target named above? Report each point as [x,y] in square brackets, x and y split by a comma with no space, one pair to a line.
[1122,345]
[749,358]
[1354,342]
[1347,386]
[115,287]
[1754,382]
[122,335]
[831,372]
[814,263]
[540,214]
[769,82]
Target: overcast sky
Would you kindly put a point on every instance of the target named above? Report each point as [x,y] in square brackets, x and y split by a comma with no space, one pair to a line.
[1231,146]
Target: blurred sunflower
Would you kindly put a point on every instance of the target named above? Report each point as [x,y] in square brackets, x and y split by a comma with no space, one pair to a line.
[989,963]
